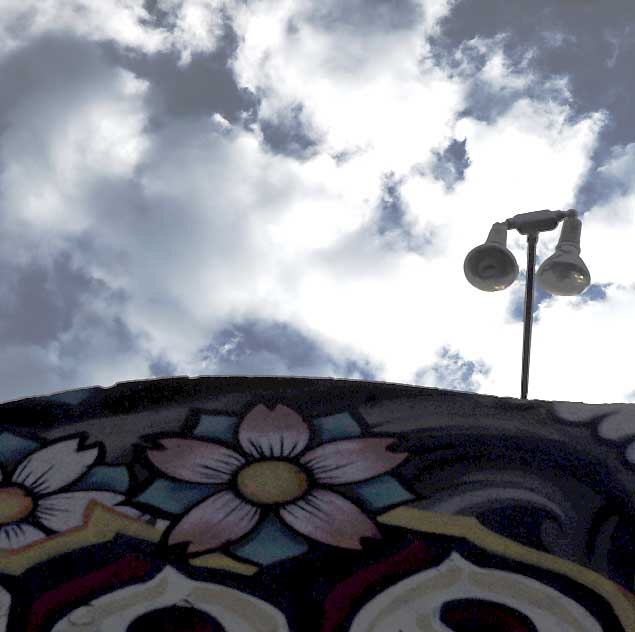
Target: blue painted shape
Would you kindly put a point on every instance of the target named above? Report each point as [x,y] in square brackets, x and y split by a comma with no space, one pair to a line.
[379,492]
[271,542]
[176,496]
[220,427]
[13,449]
[111,478]
[340,426]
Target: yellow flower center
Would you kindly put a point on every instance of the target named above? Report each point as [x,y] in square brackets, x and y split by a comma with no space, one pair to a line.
[14,504]
[271,482]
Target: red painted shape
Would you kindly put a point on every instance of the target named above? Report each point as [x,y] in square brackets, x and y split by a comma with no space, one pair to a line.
[112,576]
[338,604]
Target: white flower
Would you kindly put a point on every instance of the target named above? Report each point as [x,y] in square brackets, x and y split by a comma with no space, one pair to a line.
[31,499]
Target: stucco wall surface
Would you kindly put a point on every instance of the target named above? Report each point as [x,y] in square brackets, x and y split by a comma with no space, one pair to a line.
[301,504]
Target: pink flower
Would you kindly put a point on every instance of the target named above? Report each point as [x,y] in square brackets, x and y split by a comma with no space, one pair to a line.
[274,472]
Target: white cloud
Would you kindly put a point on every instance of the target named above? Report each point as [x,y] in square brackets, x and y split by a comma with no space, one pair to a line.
[191,26]
[426,302]
[365,90]
[118,20]
[196,225]
[197,25]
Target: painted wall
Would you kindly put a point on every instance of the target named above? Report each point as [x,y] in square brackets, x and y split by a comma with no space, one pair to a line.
[274,504]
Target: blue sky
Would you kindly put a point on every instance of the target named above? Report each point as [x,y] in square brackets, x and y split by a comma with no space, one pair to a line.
[267,187]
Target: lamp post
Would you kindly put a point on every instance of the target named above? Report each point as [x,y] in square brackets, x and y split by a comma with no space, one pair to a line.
[492,267]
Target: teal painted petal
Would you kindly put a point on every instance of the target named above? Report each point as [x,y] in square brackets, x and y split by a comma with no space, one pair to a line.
[271,542]
[220,427]
[110,478]
[13,449]
[176,496]
[379,492]
[340,426]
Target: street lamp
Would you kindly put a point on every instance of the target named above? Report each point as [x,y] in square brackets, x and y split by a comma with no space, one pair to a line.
[491,266]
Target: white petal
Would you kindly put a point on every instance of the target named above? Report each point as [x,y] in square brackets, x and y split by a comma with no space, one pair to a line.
[5,606]
[55,466]
[66,511]
[19,534]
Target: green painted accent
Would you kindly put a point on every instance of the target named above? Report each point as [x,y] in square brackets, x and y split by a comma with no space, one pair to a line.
[14,449]
[340,426]
[176,496]
[379,492]
[111,478]
[271,542]
[220,427]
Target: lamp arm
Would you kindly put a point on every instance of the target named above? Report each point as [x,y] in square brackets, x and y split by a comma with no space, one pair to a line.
[537,221]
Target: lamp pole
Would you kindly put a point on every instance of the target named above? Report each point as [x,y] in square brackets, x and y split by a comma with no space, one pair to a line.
[491,266]
[531,224]
[532,240]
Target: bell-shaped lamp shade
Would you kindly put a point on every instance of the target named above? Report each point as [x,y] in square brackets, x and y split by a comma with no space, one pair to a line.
[564,273]
[491,266]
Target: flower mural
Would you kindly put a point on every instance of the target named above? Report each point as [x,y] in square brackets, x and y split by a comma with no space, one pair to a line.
[273,471]
[269,517]
[46,492]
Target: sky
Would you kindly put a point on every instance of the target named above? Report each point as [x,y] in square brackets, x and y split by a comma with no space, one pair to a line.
[290,188]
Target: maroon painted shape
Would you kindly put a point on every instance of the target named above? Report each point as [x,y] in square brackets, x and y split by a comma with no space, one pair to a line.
[485,616]
[342,598]
[79,590]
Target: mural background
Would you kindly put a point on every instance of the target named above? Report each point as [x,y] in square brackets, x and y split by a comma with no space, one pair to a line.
[314,504]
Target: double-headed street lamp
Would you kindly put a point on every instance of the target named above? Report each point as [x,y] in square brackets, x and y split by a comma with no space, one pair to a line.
[491,266]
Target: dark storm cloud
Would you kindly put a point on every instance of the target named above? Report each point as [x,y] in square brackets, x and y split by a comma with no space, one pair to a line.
[392,222]
[287,134]
[591,43]
[43,70]
[484,100]
[57,322]
[262,347]
[452,371]
[56,325]
[366,15]
[162,367]
[158,16]
[39,303]
[201,88]
[207,85]
[450,164]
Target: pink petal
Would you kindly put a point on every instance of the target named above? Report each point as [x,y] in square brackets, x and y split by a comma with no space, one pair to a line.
[219,519]
[196,461]
[351,460]
[54,466]
[66,511]
[280,432]
[329,518]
